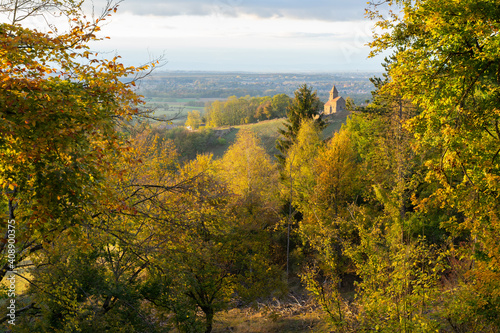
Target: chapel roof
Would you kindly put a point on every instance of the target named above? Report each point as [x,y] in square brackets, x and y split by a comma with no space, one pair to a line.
[333,101]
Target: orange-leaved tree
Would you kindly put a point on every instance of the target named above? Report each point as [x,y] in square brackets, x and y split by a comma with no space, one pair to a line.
[59,108]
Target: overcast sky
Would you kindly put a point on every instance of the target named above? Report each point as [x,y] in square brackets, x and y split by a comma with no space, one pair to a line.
[243,35]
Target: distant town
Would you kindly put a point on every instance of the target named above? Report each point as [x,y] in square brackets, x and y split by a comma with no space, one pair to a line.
[221,85]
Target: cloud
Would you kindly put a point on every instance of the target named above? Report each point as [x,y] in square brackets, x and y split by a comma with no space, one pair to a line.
[327,10]
[307,35]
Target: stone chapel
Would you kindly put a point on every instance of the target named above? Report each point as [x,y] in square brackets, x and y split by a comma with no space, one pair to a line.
[335,104]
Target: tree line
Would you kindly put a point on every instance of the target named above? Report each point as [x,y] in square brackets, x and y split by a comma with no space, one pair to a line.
[245,110]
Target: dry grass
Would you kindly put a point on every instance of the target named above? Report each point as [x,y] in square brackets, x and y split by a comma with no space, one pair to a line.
[291,317]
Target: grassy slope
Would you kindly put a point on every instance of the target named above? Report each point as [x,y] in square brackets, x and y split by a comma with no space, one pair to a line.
[267,131]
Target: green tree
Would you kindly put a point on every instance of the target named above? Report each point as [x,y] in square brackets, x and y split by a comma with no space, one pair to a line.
[280,104]
[305,105]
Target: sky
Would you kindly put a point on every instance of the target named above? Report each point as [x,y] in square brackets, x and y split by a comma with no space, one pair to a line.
[243,35]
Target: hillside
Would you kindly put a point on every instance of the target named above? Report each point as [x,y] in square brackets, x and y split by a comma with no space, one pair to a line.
[267,131]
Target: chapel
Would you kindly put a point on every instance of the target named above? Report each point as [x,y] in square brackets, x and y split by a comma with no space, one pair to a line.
[335,104]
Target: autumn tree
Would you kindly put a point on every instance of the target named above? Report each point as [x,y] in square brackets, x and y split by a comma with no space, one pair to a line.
[353,224]
[58,116]
[299,170]
[264,111]
[252,178]
[60,106]
[323,180]
[444,60]
[211,252]
[105,279]
[298,179]
[303,110]
[214,113]
[193,119]
[251,175]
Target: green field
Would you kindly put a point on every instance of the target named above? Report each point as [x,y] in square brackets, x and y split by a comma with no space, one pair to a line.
[173,108]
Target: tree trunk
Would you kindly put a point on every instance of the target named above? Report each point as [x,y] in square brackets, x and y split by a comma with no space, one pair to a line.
[209,318]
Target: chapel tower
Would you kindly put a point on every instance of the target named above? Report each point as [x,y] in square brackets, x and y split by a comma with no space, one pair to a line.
[335,104]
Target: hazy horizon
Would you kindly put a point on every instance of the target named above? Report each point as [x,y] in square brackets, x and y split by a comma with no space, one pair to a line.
[237,35]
